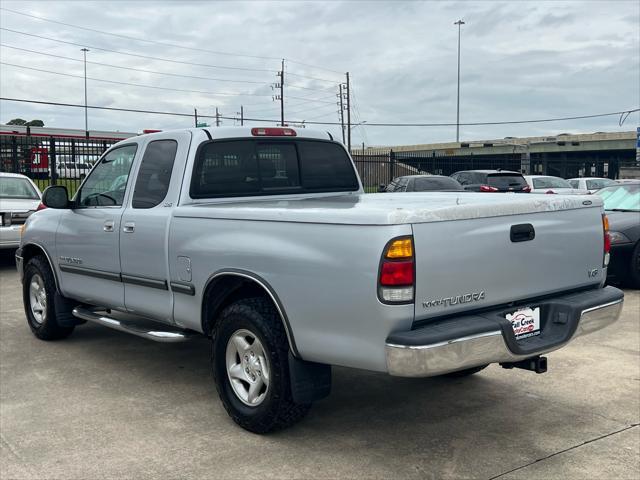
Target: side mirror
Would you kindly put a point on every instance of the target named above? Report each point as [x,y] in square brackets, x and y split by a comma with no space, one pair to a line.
[56,196]
[381,188]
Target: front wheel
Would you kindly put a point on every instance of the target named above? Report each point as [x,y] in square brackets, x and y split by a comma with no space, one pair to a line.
[250,367]
[38,291]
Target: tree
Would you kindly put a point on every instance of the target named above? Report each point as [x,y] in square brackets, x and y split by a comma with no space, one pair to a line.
[23,122]
[17,121]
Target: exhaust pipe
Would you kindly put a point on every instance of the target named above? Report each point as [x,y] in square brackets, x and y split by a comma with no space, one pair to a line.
[534,364]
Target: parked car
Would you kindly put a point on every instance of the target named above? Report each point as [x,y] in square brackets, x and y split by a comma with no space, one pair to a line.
[19,198]
[549,184]
[622,204]
[422,183]
[492,181]
[592,184]
[263,240]
[72,170]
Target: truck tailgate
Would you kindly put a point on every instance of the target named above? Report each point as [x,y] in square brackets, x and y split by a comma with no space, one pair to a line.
[473,263]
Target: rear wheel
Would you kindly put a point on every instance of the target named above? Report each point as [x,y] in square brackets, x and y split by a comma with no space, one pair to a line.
[466,372]
[633,278]
[38,294]
[250,365]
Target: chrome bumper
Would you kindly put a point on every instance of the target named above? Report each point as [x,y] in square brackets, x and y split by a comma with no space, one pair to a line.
[483,348]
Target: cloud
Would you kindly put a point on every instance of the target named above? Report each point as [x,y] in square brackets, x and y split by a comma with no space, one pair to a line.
[519,60]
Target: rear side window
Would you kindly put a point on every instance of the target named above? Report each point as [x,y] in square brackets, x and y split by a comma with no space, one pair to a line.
[153,179]
[268,167]
[506,180]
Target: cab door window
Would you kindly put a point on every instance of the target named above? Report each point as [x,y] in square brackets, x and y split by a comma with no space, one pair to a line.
[106,185]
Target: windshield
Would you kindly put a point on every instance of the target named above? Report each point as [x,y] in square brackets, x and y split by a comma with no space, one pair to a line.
[426,184]
[621,197]
[550,182]
[15,187]
[599,183]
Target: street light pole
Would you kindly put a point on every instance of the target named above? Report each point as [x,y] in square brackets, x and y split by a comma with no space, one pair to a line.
[459,23]
[86,120]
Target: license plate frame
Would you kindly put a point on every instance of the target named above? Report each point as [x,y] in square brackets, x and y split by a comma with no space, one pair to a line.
[525,322]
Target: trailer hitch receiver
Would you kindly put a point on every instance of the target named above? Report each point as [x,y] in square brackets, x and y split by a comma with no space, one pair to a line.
[534,364]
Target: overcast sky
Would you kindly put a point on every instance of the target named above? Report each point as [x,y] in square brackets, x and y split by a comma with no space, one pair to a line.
[520,60]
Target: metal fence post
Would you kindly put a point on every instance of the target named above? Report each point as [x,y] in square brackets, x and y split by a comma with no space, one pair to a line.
[392,164]
[14,154]
[52,161]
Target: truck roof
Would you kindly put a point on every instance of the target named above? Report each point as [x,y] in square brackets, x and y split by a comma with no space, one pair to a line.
[243,132]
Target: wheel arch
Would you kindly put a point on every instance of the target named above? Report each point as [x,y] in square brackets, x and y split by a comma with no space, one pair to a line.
[227,286]
[31,250]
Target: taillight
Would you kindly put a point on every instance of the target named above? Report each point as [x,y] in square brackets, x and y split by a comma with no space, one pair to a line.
[488,188]
[607,240]
[42,206]
[397,272]
[273,132]
[527,189]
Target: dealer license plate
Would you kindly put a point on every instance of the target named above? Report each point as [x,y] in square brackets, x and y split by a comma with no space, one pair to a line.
[525,322]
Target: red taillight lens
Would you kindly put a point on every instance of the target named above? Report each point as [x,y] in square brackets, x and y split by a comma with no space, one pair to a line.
[395,274]
[527,188]
[42,206]
[273,132]
[607,240]
[487,188]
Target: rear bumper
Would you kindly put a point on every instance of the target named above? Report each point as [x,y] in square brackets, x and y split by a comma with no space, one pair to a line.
[465,342]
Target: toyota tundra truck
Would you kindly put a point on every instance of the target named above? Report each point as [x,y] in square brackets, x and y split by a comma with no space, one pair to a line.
[263,240]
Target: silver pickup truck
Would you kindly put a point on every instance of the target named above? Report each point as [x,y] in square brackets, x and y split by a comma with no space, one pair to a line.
[263,240]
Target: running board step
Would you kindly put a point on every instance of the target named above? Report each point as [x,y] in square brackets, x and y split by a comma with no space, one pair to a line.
[165,336]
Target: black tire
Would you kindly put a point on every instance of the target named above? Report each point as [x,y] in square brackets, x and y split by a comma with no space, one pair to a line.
[47,328]
[277,410]
[633,276]
[465,373]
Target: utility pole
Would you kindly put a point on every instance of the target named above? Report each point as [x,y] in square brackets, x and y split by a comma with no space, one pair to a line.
[459,23]
[86,115]
[341,112]
[195,115]
[282,95]
[241,115]
[348,114]
[217,118]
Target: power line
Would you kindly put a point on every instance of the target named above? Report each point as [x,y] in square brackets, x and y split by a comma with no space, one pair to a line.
[166,44]
[221,94]
[510,122]
[138,39]
[134,69]
[181,62]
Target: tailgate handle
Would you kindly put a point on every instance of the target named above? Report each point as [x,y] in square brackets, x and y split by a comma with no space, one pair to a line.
[522,233]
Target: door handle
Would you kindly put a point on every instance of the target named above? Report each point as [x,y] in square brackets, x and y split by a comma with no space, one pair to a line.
[129,227]
[108,226]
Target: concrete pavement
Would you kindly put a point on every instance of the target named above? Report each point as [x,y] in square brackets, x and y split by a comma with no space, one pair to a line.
[104,404]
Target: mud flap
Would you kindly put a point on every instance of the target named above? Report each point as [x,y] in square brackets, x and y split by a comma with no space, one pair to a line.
[309,381]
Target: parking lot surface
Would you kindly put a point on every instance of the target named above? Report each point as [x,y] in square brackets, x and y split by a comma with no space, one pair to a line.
[104,404]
